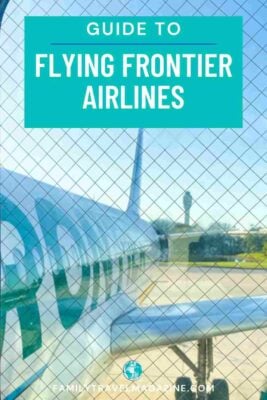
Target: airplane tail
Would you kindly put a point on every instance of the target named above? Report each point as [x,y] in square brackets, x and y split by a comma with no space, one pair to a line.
[134,199]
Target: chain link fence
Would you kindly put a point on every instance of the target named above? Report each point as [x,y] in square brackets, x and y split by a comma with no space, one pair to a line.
[203,191]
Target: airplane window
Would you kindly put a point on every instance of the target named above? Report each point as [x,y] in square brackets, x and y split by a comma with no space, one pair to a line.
[10,240]
[90,237]
[103,227]
[2,277]
[18,258]
[12,252]
[38,262]
[70,259]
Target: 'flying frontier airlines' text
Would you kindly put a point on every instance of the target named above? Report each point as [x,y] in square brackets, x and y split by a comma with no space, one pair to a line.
[130,66]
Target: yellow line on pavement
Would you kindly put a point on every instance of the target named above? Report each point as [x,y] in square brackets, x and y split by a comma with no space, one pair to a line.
[146,292]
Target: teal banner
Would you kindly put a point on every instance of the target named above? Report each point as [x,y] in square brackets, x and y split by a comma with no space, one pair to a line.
[133,71]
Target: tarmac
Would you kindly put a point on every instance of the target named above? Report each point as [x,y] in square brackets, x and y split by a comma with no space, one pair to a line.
[239,358]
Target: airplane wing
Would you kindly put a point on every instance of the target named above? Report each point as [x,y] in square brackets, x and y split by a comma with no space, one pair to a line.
[154,326]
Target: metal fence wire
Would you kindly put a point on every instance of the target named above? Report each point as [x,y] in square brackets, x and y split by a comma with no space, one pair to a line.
[203,199]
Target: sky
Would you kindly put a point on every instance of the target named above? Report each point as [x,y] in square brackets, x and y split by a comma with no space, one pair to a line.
[224,169]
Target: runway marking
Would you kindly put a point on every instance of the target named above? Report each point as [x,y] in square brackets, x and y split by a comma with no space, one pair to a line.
[146,292]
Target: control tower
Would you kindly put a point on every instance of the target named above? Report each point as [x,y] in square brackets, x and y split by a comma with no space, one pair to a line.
[187,200]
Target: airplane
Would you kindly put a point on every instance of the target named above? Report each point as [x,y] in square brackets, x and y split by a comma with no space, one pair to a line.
[72,270]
